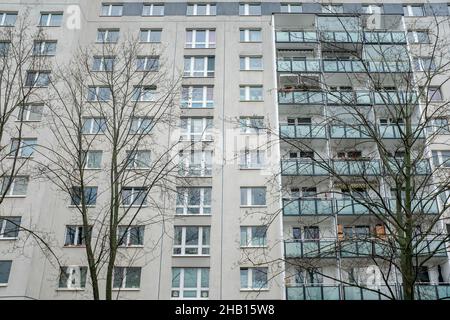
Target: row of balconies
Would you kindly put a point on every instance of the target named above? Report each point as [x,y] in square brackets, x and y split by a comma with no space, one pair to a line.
[357,248]
[346,97]
[372,37]
[373,167]
[324,207]
[337,65]
[347,292]
[346,131]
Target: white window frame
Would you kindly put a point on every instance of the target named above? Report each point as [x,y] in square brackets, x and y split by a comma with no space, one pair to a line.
[148,67]
[247,97]
[246,6]
[420,63]
[36,76]
[11,190]
[107,9]
[72,273]
[192,72]
[3,221]
[249,235]
[250,284]
[127,238]
[201,292]
[89,155]
[247,156]
[247,33]
[196,44]
[185,205]
[247,65]
[410,11]
[103,66]
[97,96]
[207,12]
[199,246]
[93,123]
[249,128]
[148,35]
[441,160]
[372,8]
[289,6]
[49,18]
[106,38]
[144,94]
[78,230]
[249,197]
[139,129]
[415,35]
[185,163]
[123,285]
[205,103]
[21,144]
[42,45]
[152,8]
[131,200]
[133,159]
[3,16]
[188,134]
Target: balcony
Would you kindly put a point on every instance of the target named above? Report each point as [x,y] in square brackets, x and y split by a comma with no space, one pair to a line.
[296,36]
[376,293]
[432,292]
[313,292]
[307,207]
[420,168]
[357,167]
[397,131]
[301,97]
[351,207]
[343,66]
[431,247]
[298,65]
[348,98]
[310,249]
[360,248]
[348,132]
[369,37]
[391,97]
[295,167]
[419,206]
[303,131]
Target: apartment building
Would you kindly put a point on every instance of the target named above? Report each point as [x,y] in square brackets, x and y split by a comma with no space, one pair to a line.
[243,218]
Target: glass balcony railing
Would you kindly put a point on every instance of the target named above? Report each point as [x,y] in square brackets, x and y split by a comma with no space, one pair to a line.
[300,97]
[393,97]
[432,292]
[343,66]
[382,37]
[421,167]
[431,247]
[419,206]
[296,36]
[348,132]
[389,66]
[341,36]
[348,98]
[303,131]
[313,292]
[375,293]
[397,131]
[354,248]
[298,65]
[305,206]
[351,207]
[371,37]
[310,248]
[357,167]
[295,167]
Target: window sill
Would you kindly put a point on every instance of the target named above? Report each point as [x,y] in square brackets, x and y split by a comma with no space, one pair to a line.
[93,169]
[191,255]
[134,206]
[78,206]
[253,206]
[196,48]
[49,26]
[198,77]
[251,168]
[70,289]
[247,70]
[44,55]
[71,246]
[27,121]
[251,100]
[131,246]
[254,247]
[126,289]
[193,215]
[19,157]
[196,108]
[254,290]
[15,196]
[3,285]
[8,238]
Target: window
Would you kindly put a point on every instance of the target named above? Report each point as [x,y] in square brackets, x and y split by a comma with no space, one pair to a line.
[195,163]
[309,276]
[291,8]
[37,79]
[134,196]
[153,9]
[94,125]
[9,227]
[92,159]
[23,147]
[200,38]
[150,35]
[254,278]
[251,125]
[5,269]
[127,278]
[15,188]
[72,277]
[138,159]
[141,125]
[252,159]
[100,94]
[8,19]
[196,129]
[434,94]
[190,283]
[103,64]
[332,8]
[253,236]
[199,66]
[144,93]
[193,200]
[250,63]
[51,19]
[191,241]
[418,36]
[249,9]
[311,233]
[413,10]
[128,236]
[197,97]
[441,158]
[107,35]
[44,48]
[204,9]
[4,48]
[75,236]
[251,93]
[440,126]
[90,196]
[250,35]
[253,196]
[372,9]
[112,10]
[424,64]
[147,63]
